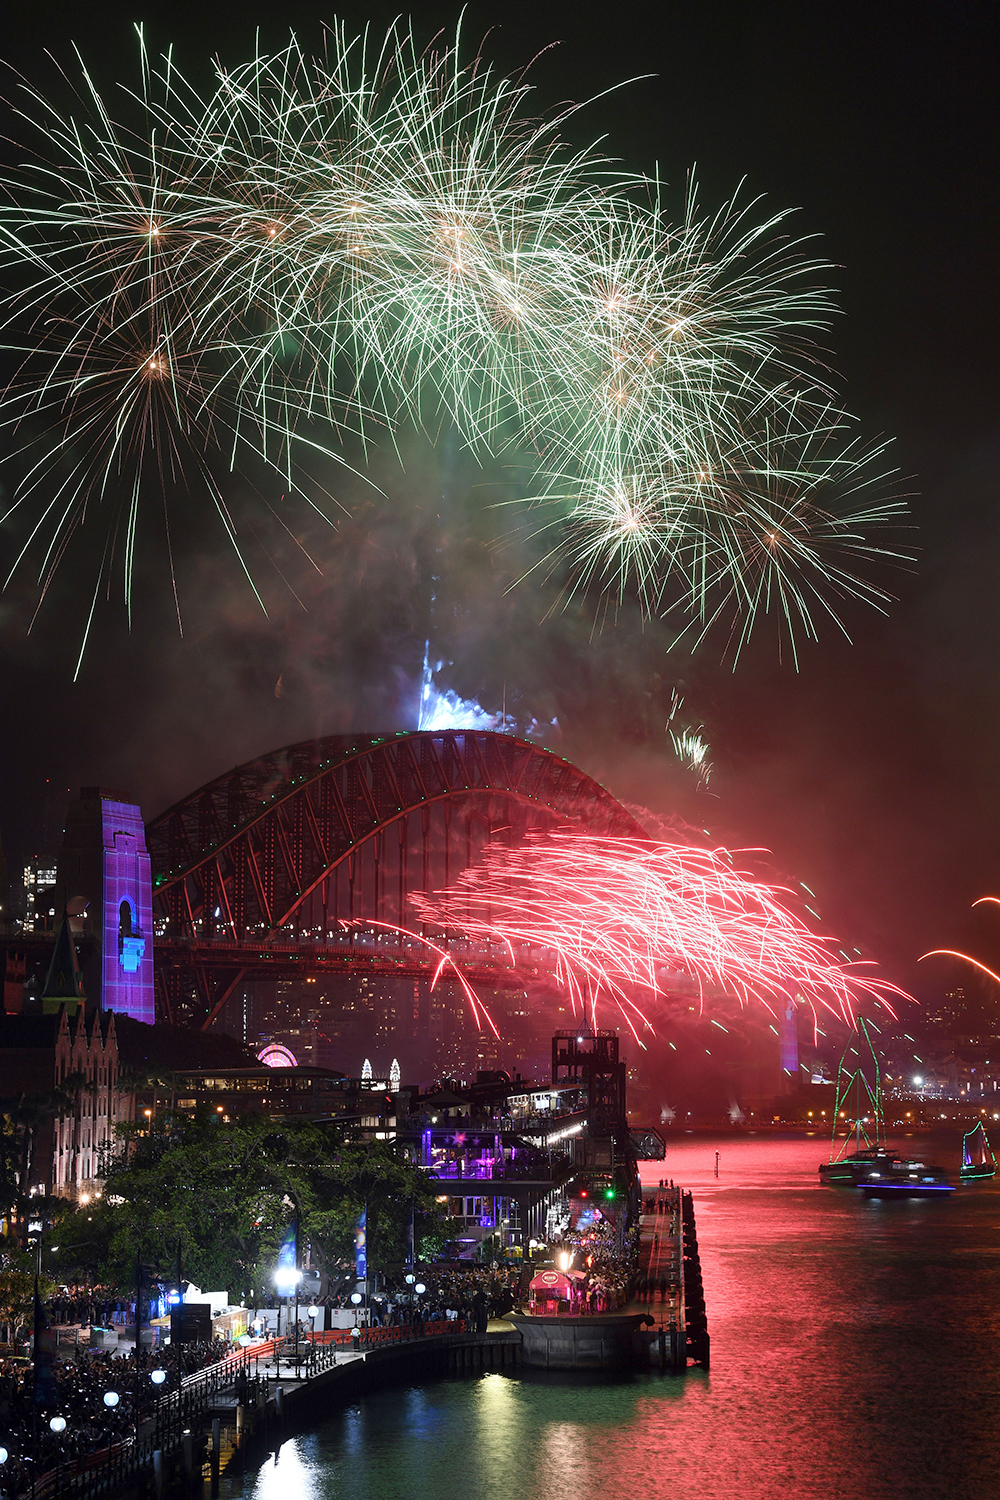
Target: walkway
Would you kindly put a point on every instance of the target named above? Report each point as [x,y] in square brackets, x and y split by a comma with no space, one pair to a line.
[661,1260]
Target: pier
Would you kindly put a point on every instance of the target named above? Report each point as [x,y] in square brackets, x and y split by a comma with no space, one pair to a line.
[227,1416]
[670,1287]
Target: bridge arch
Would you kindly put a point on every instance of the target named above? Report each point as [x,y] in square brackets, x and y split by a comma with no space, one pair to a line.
[279,852]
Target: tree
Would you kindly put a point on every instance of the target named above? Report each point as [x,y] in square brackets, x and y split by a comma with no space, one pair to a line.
[225,1193]
[375,1176]
[17,1291]
[23,1117]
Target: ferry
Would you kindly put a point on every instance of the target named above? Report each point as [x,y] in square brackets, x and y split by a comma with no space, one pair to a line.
[872,1167]
[906,1179]
[850,1171]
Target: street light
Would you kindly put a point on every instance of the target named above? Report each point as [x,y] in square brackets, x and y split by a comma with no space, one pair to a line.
[158,1376]
[286,1281]
[56,1424]
[111,1398]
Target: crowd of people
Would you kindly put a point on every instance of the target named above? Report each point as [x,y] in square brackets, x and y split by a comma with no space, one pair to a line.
[87,1425]
[91,1424]
[466,1292]
[609,1258]
[93,1306]
[450,1294]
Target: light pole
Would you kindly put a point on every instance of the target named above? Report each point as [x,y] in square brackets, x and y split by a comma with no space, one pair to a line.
[286,1281]
[57,1425]
[111,1400]
[298,1278]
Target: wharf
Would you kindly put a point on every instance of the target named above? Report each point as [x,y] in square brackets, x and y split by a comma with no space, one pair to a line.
[669,1289]
[233,1412]
[663,1325]
[223,1417]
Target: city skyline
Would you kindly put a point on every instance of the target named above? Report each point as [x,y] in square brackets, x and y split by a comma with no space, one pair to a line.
[869,772]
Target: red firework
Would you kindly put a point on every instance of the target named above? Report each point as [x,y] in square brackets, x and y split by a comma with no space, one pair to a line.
[627,919]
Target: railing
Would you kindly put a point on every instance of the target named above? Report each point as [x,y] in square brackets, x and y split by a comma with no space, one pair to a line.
[490,1171]
[178,1414]
[321,1349]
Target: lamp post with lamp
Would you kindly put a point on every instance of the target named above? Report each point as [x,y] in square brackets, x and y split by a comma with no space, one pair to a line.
[286,1282]
[57,1425]
[110,1400]
[287,1278]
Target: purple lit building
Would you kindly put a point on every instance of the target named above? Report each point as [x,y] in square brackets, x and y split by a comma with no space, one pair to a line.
[103,879]
[788,1042]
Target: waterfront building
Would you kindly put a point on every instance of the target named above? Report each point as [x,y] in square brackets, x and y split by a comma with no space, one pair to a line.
[367,1108]
[506,1152]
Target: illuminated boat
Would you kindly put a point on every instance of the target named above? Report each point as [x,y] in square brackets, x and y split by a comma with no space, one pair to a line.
[906,1179]
[977,1155]
[850,1171]
[861,1100]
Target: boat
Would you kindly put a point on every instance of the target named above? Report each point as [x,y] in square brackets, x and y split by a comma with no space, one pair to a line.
[872,1167]
[906,1179]
[849,1171]
[977,1155]
[871,1154]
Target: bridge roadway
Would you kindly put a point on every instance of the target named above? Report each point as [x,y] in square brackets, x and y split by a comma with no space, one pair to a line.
[275,960]
[218,966]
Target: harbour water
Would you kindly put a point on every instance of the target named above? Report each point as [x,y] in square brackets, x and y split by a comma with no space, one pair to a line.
[855,1356]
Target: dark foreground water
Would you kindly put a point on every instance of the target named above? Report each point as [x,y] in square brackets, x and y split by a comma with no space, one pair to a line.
[855,1356]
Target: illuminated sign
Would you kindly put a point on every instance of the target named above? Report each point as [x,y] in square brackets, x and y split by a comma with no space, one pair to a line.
[277,1057]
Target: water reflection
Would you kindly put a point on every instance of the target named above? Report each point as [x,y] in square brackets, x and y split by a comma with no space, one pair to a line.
[855,1356]
[289,1474]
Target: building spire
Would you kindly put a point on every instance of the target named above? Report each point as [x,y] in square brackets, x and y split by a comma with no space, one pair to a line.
[63,982]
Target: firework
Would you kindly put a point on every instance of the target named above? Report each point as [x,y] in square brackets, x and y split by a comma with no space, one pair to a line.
[326,249]
[623,919]
[965,957]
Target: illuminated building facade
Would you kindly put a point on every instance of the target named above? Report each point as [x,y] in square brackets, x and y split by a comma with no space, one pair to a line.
[104,883]
[39,1053]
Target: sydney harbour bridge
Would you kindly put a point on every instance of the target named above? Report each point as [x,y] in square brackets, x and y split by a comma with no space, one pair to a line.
[302,862]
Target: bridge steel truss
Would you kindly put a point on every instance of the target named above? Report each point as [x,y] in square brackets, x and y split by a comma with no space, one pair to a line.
[260,872]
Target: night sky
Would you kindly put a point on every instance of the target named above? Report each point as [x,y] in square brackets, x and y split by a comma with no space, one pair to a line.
[870,773]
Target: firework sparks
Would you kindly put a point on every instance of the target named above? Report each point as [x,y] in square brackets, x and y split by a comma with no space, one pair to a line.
[965,957]
[622,916]
[690,745]
[327,248]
